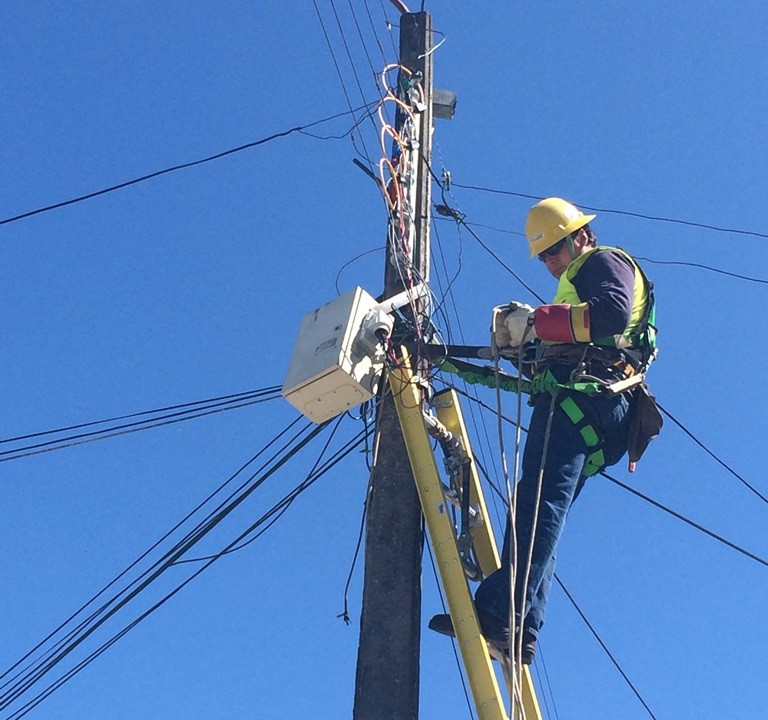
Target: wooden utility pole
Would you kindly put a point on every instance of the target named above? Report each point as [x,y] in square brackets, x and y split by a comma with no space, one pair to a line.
[387,682]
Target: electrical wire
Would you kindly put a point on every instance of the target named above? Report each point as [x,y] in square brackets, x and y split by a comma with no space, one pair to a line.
[381,248]
[375,34]
[281,507]
[657,218]
[459,217]
[349,52]
[344,614]
[182,166]
[722,463]
[700,266]
[78,426]
[541,662]
[340,455]
[365,154]
[127,428]
[23,681]
[153,547]
[605,647]
[687,521]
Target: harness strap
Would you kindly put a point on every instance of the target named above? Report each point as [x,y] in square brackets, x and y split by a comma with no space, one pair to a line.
[595,461]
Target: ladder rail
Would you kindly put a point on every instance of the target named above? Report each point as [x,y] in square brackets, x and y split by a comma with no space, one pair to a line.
[449,413]
[442,535]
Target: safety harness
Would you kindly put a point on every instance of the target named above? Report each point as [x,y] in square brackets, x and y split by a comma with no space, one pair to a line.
[625,367]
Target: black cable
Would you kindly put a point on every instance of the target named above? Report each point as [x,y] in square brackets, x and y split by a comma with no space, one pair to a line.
[349,55]
[365,154]
[94,655]
[283,504]
[153,547]
[380,248]
[127,428]
[375,34]
[460,219]
[627,213]
[266,390]
[703,267]
[183,166]
[653,502]
[344,614]
[84,624]
[542,689]
[604,646]
[699,266]
[687,521]
[362,38]
[540,651]
[158,569]
[711,454]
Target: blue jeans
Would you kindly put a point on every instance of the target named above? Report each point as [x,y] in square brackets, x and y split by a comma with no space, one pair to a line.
[562,481]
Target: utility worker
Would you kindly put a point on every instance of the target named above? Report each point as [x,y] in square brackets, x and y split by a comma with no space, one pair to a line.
[587,346]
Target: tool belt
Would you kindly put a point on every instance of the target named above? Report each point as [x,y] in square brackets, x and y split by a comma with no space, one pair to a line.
[605,363]
[615,371]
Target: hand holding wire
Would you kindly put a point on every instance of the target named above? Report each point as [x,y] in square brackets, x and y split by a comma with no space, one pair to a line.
[513,324]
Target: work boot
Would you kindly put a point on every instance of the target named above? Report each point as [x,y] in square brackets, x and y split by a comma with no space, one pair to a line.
[494,630]
[529,648]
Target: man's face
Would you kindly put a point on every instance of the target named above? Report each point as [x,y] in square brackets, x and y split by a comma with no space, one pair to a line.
[557,263]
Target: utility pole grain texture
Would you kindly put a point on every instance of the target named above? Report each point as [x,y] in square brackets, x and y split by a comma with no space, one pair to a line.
[387,681]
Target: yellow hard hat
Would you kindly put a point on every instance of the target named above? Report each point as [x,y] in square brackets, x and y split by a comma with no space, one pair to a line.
[550,220]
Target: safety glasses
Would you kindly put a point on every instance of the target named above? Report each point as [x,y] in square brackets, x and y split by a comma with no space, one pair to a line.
[554,250]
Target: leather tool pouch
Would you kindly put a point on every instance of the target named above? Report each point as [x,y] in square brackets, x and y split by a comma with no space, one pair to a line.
[646,422]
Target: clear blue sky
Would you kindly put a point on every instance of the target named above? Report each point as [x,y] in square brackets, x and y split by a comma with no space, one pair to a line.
[191,286]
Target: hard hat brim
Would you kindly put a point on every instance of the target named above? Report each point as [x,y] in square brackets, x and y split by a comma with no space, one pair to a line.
[540,244]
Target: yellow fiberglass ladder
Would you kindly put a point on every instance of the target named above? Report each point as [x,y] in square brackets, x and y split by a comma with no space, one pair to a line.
[337,363]
[442,532]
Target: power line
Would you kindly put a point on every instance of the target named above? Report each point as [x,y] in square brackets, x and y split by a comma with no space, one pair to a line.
[340,455]
[149,550]
[336,65]
[703,267]
[459,218]
[183,166]
[179,406]
[657,218]
[604,646]
[712,455]
[687,521]
[136,426]
[87,627]
[281,507]
[638,494]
